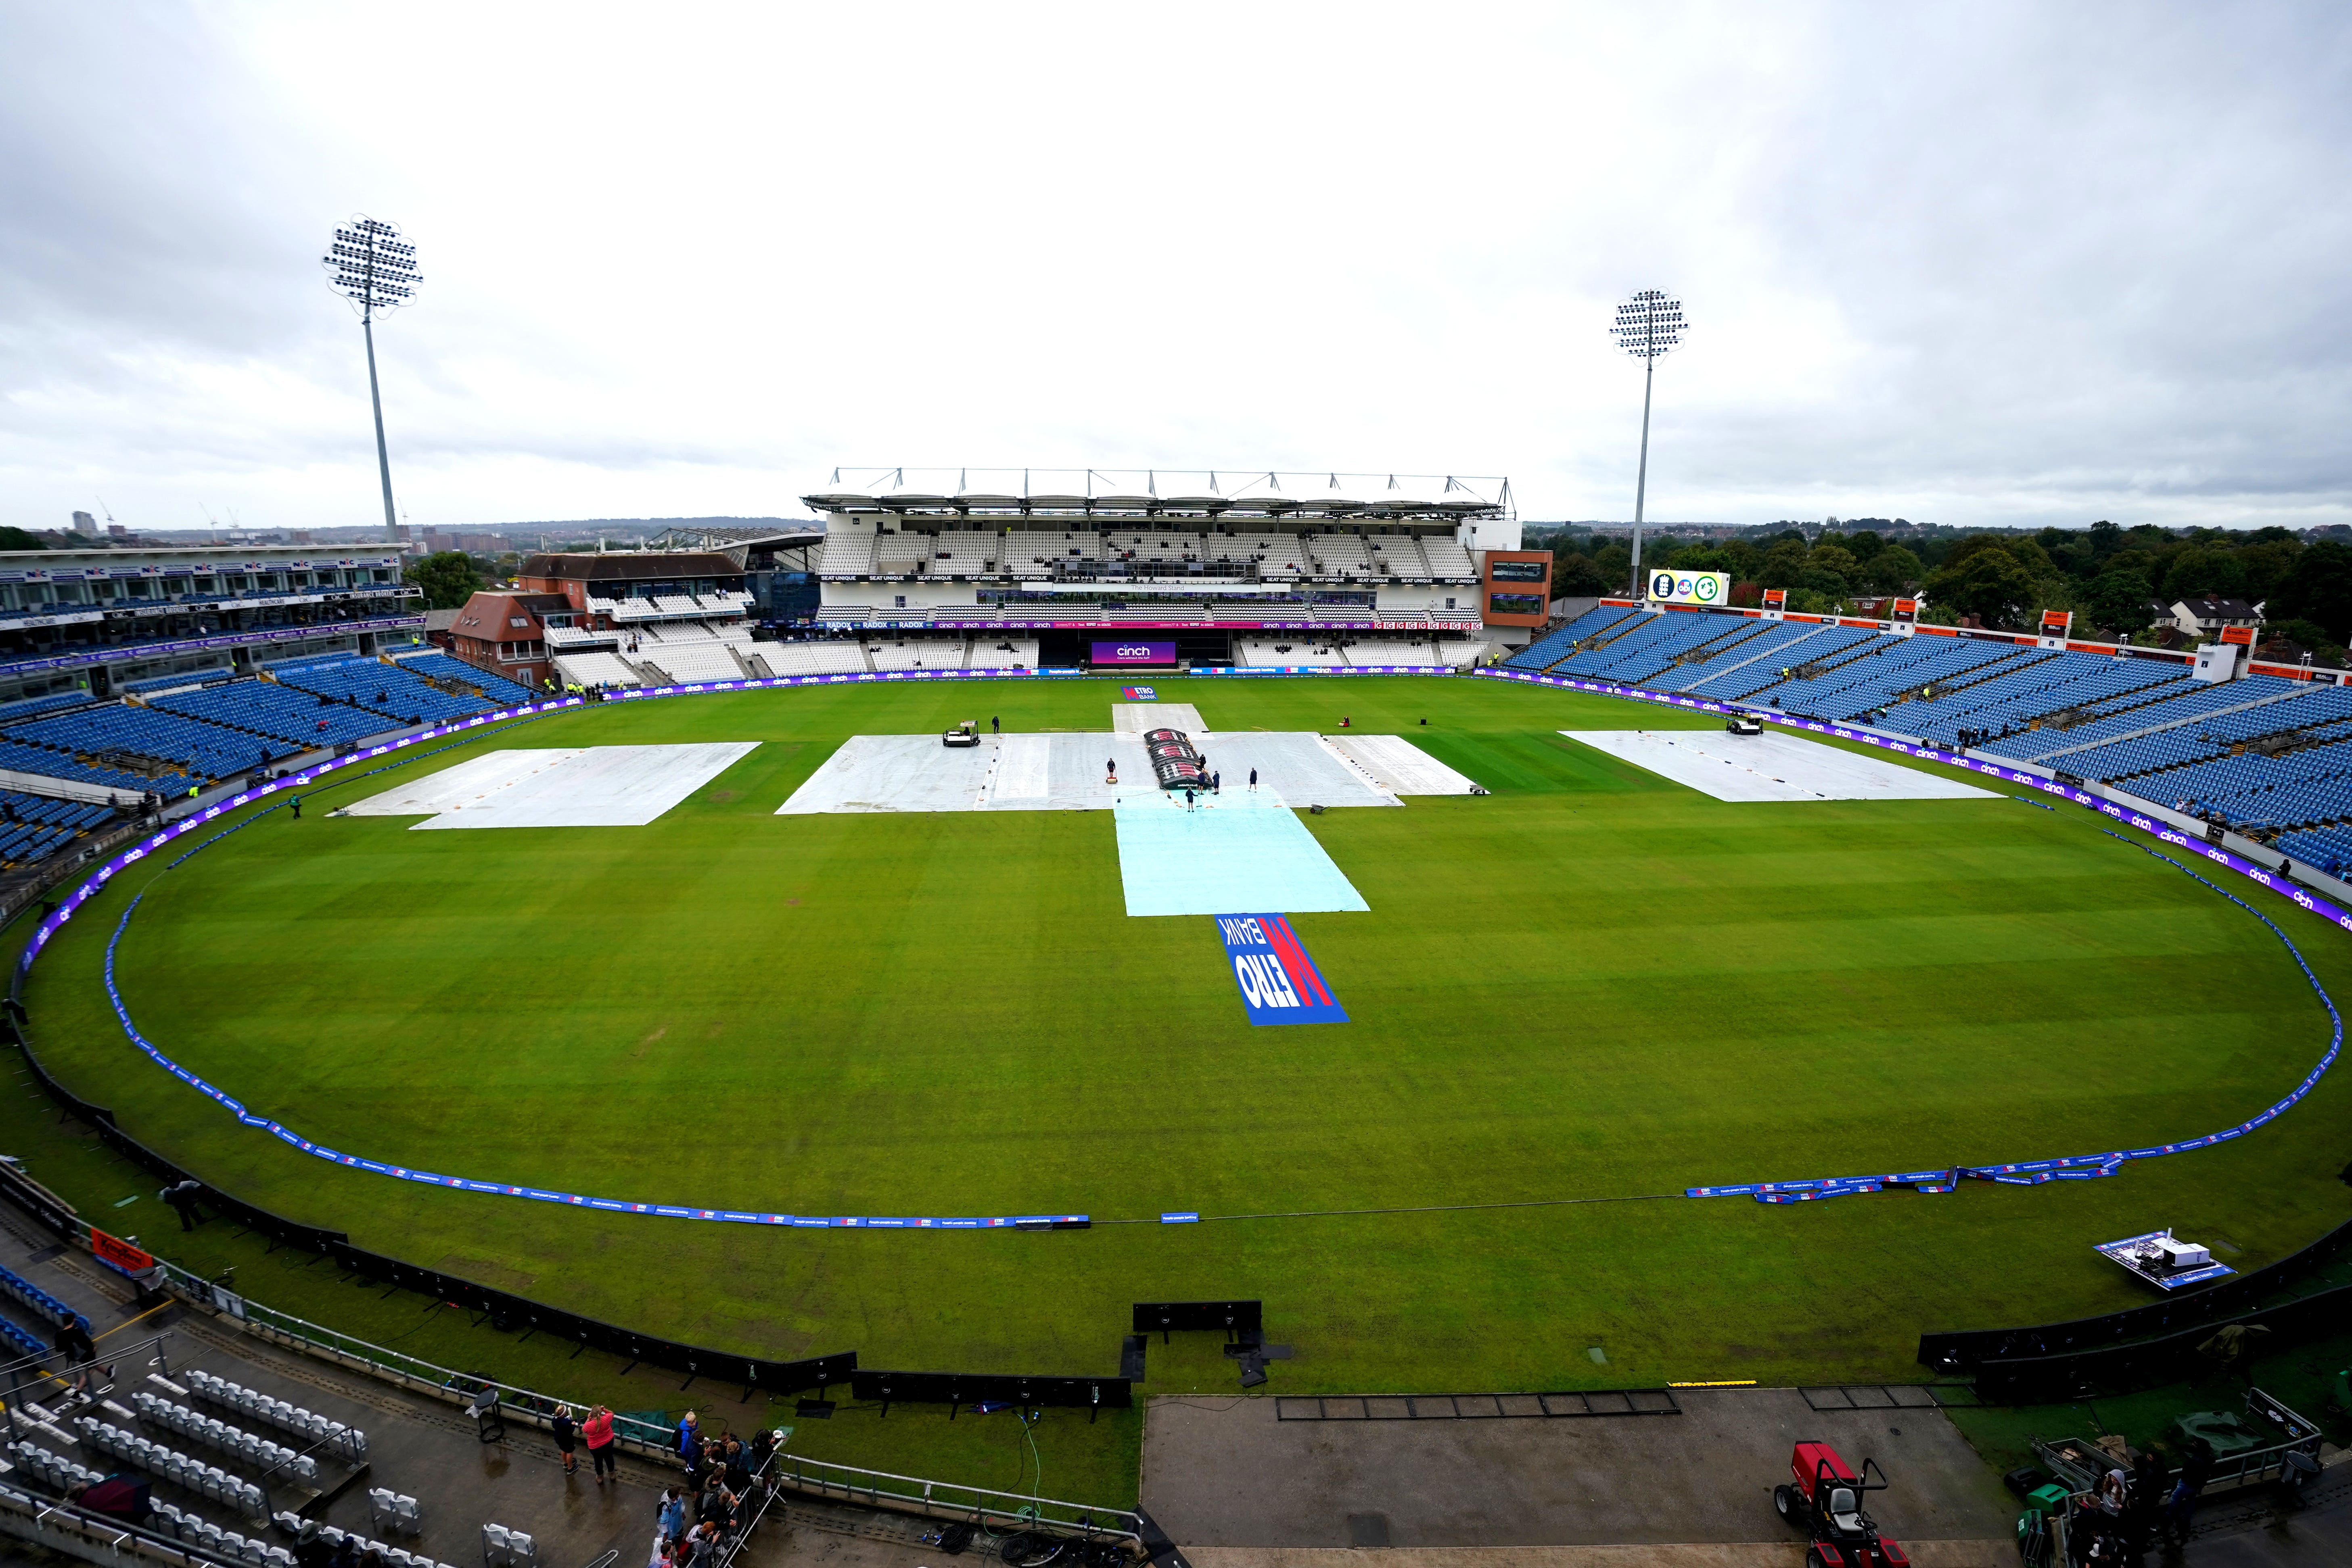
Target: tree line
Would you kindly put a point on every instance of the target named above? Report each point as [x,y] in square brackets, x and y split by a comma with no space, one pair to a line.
[2113,579]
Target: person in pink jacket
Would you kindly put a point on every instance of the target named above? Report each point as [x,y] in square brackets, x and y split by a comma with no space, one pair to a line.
[597,1433]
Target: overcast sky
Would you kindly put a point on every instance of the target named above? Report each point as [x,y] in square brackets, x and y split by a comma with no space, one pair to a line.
[1969,263]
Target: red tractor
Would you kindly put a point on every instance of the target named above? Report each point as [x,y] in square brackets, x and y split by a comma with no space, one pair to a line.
[1825,1502]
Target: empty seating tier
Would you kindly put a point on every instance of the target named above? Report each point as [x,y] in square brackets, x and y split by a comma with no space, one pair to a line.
[347,1442]
[33,826]
[267,1457]
[595,670]
[295,719]
[395,690]
[194,1475]
[946,654]
[439,666]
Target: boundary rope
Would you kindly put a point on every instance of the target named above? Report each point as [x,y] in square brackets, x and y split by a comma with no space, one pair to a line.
[2029,1172]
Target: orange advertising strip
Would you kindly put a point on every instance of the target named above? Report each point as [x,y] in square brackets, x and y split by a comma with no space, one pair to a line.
[121,1254]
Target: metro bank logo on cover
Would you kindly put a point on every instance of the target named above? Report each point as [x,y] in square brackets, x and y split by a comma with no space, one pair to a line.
[1279,983]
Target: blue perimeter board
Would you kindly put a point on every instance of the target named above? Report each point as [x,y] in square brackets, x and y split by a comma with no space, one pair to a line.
[1229,856]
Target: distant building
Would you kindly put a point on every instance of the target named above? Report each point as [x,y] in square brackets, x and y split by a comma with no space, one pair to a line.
[85,523]
[2206,616]
[502,633]
[638,586]
[102,613]
[438,540]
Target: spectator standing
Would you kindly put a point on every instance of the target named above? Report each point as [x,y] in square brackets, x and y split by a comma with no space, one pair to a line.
[567,1432]
[2180,1508]
[597,1433]
[73,1342]
[690,1442]
[2145,1503]
[670,1517]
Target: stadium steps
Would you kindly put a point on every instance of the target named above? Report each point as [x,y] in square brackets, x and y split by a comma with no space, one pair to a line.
[1854,654]
[1624,626]
[1632,621]
[2138,696]
[1735,668]
[2312,739]
[1722,642]
[757,666]
[1977,675]
[2210,713]
[1999,669]
[2163,691]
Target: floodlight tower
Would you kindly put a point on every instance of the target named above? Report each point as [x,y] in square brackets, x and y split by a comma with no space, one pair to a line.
[370,265]
[1649,326]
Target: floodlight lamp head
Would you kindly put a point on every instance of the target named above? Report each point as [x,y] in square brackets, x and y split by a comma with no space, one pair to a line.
[369,264]
[1649,325]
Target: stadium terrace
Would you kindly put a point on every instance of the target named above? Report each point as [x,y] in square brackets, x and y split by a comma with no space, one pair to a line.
[1381,568]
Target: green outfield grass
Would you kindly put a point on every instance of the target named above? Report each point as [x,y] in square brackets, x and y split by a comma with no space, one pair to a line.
[1590,985]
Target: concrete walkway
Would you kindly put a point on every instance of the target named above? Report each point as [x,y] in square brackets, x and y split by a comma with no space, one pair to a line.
[1238,1488]
[430,1450]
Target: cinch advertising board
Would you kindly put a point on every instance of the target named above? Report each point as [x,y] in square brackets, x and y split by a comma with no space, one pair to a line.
[1690,587]
[1134,652]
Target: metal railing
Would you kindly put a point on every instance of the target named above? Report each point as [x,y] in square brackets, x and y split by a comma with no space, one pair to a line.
[946,1499]
[94,1537]
[413,1372]
[821,1478]
[2253,1467]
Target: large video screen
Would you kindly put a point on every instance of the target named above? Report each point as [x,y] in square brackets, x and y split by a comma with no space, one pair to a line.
[1514,603]
[1135,652]
[1519,570]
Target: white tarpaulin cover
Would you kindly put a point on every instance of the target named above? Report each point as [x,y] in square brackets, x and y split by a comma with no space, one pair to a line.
[598,786]
[1771,767]
[1399,766]
[1065,773]
[1135,718]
